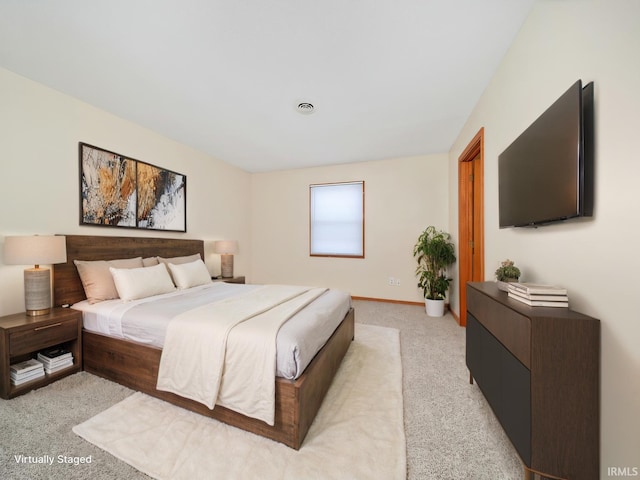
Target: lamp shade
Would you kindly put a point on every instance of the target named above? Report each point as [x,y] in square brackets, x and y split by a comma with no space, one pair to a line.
[35,250]
[225,247]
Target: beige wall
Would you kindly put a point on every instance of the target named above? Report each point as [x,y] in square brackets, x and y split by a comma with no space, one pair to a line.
[402,197]
[39,134]
[597,259]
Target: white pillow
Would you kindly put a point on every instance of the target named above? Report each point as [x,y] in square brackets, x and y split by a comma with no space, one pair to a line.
[142,282]
[187,275]
[179,260]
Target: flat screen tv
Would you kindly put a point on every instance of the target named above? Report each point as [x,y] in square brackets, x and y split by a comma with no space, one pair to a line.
[546,174]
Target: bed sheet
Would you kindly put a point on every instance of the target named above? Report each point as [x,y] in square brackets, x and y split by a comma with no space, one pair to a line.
[146,320]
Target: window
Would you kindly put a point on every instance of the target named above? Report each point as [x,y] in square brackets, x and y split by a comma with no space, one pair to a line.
[336,219]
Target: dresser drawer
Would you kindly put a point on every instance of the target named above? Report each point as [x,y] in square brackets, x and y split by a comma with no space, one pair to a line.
[511,328]
[42,336]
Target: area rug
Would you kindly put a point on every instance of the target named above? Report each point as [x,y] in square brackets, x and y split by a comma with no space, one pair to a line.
[357,434]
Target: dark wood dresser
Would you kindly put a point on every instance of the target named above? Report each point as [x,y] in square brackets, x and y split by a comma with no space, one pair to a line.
[539,369]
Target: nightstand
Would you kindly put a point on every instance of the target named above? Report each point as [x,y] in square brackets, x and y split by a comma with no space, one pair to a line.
[229,279]
[22,337]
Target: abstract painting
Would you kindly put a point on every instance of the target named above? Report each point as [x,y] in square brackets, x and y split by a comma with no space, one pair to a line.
[118,191]
[161,198]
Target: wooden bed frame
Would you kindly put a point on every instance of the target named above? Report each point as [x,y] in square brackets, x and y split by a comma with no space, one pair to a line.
[135,365]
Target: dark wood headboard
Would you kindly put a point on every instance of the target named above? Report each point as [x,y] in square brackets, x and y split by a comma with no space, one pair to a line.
[67,287]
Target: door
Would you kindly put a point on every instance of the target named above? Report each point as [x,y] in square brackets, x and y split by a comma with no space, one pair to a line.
[470,218]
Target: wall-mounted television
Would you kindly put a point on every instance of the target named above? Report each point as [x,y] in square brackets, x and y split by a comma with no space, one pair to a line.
[546,174]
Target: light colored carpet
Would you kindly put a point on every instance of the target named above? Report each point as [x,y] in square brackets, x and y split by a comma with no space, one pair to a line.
[452,434]
[357,434]
[450,430]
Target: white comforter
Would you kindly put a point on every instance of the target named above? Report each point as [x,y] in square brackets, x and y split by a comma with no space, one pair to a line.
[146,320]
[225,352]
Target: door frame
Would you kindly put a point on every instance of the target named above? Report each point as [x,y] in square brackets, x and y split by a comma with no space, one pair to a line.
[470,218]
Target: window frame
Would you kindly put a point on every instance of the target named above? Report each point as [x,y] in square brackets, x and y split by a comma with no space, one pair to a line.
[311,223]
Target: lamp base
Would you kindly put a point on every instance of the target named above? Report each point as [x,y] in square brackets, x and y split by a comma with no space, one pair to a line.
[226,265]
[35,313]
[37,291]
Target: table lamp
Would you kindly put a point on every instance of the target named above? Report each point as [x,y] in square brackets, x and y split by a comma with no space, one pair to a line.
[36,250]
[226,249]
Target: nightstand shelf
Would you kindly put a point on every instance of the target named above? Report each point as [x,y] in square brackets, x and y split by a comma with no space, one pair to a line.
[22,337]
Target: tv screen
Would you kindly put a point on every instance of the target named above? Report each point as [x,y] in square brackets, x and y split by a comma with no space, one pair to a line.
[546,174]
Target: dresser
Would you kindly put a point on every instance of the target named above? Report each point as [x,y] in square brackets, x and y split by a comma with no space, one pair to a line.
[539,369]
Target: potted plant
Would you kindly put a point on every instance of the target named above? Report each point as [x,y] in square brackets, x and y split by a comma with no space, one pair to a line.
[434,252]
[507,272]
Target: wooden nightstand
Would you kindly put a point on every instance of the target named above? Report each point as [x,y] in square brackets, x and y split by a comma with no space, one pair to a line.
[22,337]
[229,279]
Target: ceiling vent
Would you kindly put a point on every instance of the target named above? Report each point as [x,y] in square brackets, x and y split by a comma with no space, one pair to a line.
[305,108]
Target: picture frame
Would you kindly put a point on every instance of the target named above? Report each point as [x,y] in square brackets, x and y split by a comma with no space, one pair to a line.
[119,191]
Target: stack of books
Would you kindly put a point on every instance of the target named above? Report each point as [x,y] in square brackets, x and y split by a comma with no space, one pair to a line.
[536,295]
[55,359]
[26,371]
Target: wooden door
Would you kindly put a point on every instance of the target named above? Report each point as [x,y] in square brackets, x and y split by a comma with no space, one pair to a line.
[470,218]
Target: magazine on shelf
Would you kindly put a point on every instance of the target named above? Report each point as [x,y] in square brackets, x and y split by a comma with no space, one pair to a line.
[538,288]
[539,303]
[53,353]
[20,379]
[58,366]
[26,366]
[30,374]
[55,361]
[539,296]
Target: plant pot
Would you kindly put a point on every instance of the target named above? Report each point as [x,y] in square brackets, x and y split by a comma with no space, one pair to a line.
[434,308]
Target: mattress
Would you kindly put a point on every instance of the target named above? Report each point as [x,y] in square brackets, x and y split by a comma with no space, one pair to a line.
[146,320]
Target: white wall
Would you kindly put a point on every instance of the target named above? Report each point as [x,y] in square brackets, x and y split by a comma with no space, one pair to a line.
[402,197]
[39,134]
[596,259]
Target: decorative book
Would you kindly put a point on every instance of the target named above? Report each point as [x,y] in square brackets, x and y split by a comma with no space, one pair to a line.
[26,371]
[536,295]
[62,358]
[537,288]
[539,296]
[55,352]
[57,367]
[539,303]
[25,367]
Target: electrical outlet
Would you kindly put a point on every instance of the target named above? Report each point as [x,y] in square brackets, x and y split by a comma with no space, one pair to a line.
[391,281]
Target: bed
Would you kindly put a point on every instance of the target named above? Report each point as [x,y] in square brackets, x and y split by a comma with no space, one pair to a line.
[136,364]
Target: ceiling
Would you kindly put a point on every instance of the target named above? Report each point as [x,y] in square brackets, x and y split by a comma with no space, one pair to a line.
[388,78]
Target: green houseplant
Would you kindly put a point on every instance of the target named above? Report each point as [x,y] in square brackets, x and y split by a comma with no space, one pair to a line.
[434,252]
[507,272]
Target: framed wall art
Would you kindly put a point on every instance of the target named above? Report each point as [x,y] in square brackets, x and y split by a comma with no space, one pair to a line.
[118,191]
